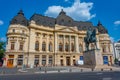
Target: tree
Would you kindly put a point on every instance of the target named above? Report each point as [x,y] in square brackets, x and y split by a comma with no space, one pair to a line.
[2,49]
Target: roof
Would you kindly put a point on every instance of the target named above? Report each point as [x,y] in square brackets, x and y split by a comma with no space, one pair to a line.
[61,19]
[19,19]
[101,28]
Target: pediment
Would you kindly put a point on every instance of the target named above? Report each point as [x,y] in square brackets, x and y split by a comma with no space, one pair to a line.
[67,30]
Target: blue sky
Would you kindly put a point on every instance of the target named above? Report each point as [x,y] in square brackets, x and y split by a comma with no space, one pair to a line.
[107,11]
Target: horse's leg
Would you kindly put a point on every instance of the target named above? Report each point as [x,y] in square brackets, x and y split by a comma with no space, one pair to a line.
[96,45]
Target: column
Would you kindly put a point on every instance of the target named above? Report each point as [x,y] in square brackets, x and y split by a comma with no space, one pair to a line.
[47,56]
[70,43]
[56,48]
[55,43]
[63,43]
[47,44]
[76,43]
[17,45]
[41,36]
[71,60]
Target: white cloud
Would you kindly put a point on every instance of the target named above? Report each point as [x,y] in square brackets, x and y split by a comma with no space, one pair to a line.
[1,22]
[3,39]
[78,10]
[117,22]
[112,39]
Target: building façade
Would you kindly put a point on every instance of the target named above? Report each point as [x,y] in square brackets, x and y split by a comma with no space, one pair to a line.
[48,41]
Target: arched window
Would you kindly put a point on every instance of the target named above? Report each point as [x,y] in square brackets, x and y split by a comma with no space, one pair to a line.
[72,47]
[66,47]
[43,46]
[37,46]
[80,48]
[50,47]
[60,46]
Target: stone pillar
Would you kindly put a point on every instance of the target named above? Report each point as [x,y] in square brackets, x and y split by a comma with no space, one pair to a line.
[70,43]
[56,48]
[15,61]
[41,36]
[47,44]
[64,60]
[40,60]
[17,45]
[63,43]
[47,56]
[76,43]
[71,60]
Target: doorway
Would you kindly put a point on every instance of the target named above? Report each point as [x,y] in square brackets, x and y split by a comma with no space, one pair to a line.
[67,61]
[10,61]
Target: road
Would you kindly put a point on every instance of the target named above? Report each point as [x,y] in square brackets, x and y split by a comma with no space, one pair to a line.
[64,76]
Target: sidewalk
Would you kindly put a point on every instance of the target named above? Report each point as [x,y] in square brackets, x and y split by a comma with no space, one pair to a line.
[53,70]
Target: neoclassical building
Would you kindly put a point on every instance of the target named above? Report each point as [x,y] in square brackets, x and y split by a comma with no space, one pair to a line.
[48,41]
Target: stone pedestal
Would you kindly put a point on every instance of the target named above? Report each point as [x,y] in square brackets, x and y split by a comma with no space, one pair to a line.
[93,59]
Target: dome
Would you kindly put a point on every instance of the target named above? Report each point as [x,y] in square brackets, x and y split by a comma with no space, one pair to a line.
[19,19]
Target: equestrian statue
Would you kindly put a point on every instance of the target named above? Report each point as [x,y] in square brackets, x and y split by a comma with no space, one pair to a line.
[90,38]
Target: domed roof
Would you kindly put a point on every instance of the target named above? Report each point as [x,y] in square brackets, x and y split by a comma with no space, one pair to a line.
[101,28]
[19,19]
[63,19]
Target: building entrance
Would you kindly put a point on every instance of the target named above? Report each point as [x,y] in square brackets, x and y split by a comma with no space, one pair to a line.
[67,61]
[10,61]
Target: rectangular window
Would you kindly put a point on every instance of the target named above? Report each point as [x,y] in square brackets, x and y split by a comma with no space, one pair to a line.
[21,46]
[12,45]
[50,60]
[36,61]
[20,60]
[43,60]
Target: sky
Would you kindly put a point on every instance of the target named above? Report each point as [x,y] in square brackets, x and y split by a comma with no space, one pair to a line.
[107,11]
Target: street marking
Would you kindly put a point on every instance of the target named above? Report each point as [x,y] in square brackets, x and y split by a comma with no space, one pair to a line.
[99,73]
[107,78]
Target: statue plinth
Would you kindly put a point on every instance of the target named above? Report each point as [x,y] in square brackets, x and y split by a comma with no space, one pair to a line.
[93,58]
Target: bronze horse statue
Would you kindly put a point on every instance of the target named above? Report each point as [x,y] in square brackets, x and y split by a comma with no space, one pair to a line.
[90,38]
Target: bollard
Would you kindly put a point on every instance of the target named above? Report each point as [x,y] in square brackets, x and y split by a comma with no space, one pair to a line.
[58,70]
[102,69]
[81,70]
[45,71]
[110,69]
[92,69]
[70,70]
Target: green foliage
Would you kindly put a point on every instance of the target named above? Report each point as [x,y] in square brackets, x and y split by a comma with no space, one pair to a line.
[2,49]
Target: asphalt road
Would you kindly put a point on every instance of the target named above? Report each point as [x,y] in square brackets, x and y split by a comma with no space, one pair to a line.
[64,76]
